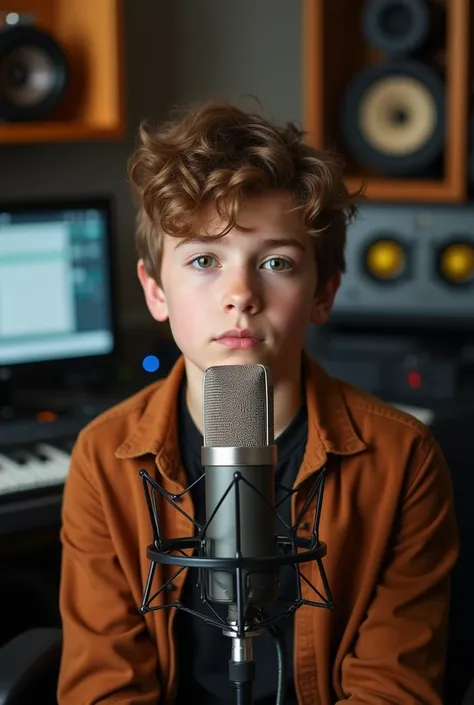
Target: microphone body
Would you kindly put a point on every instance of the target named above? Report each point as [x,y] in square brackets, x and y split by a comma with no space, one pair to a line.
[239,457]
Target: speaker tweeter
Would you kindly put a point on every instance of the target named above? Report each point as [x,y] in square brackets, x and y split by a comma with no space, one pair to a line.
[403,27]
[456,262]
[386,260]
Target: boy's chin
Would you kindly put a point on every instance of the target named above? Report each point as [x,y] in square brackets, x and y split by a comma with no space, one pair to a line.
[241,357]
[258,355]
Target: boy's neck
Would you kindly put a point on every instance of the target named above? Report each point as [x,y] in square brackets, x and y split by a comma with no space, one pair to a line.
[287,395]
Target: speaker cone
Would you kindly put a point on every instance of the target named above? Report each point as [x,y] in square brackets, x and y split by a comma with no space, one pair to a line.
[402,27]
[33,73]
[393,117]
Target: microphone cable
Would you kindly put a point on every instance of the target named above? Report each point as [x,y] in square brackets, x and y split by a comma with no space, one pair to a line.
[280,646]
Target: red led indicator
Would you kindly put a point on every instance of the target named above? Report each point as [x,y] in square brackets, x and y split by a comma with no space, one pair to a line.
[414,380]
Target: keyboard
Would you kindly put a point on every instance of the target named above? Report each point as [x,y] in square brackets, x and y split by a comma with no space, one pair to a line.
[34,463]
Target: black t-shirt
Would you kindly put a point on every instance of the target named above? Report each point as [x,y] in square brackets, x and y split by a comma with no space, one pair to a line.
[203,651]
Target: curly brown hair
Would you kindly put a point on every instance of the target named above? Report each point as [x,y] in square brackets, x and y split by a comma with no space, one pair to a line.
[218,153]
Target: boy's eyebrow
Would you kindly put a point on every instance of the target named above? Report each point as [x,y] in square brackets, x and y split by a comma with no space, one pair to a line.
[193,240]
[273,242]
[285,242]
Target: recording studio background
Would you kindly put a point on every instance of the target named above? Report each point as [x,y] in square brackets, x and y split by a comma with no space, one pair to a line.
[391,89]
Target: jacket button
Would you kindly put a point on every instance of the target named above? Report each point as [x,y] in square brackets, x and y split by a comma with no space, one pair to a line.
[171,587]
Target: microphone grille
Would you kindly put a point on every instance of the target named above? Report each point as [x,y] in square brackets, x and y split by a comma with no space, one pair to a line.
[238,406]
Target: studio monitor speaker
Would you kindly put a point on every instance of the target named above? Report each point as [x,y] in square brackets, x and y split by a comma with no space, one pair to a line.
[409,264]
[33,73]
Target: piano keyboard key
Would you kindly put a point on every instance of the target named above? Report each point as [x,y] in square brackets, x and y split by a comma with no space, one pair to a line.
[32,468]
[34,464]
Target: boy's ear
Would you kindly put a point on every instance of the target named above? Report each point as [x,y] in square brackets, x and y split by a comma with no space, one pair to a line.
[154,294]
[324,301]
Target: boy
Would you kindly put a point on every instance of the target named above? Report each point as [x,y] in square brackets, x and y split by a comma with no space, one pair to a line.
[241,232]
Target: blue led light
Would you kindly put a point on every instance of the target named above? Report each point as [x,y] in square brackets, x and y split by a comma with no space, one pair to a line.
[150,363]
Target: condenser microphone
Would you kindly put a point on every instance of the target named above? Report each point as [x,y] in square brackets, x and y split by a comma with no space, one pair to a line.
[239,458]
[237,551]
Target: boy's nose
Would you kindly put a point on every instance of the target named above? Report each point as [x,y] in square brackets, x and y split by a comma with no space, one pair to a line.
[242,295]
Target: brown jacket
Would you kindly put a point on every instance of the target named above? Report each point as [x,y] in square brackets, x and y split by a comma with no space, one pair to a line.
[387,519]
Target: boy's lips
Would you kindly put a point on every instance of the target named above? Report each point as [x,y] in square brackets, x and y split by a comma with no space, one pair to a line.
[238,339]
[238,333]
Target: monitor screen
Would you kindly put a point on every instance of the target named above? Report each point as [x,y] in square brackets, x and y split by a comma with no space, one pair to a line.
[55,282]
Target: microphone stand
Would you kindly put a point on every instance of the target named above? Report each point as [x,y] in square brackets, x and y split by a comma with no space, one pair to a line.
[241,663]
[243,623]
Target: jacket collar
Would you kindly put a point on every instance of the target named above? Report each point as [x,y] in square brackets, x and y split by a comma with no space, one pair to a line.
[157,429]
[330,428]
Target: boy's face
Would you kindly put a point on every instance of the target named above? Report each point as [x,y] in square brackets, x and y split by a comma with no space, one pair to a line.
[245,298]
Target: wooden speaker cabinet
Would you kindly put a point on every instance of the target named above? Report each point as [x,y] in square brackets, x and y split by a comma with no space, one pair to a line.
[90,33]
[335,50]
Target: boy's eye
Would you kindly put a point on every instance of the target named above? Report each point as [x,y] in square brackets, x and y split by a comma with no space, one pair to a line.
[277,264]
[204,262]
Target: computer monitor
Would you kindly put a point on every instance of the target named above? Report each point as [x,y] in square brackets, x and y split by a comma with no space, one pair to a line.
[56,298]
